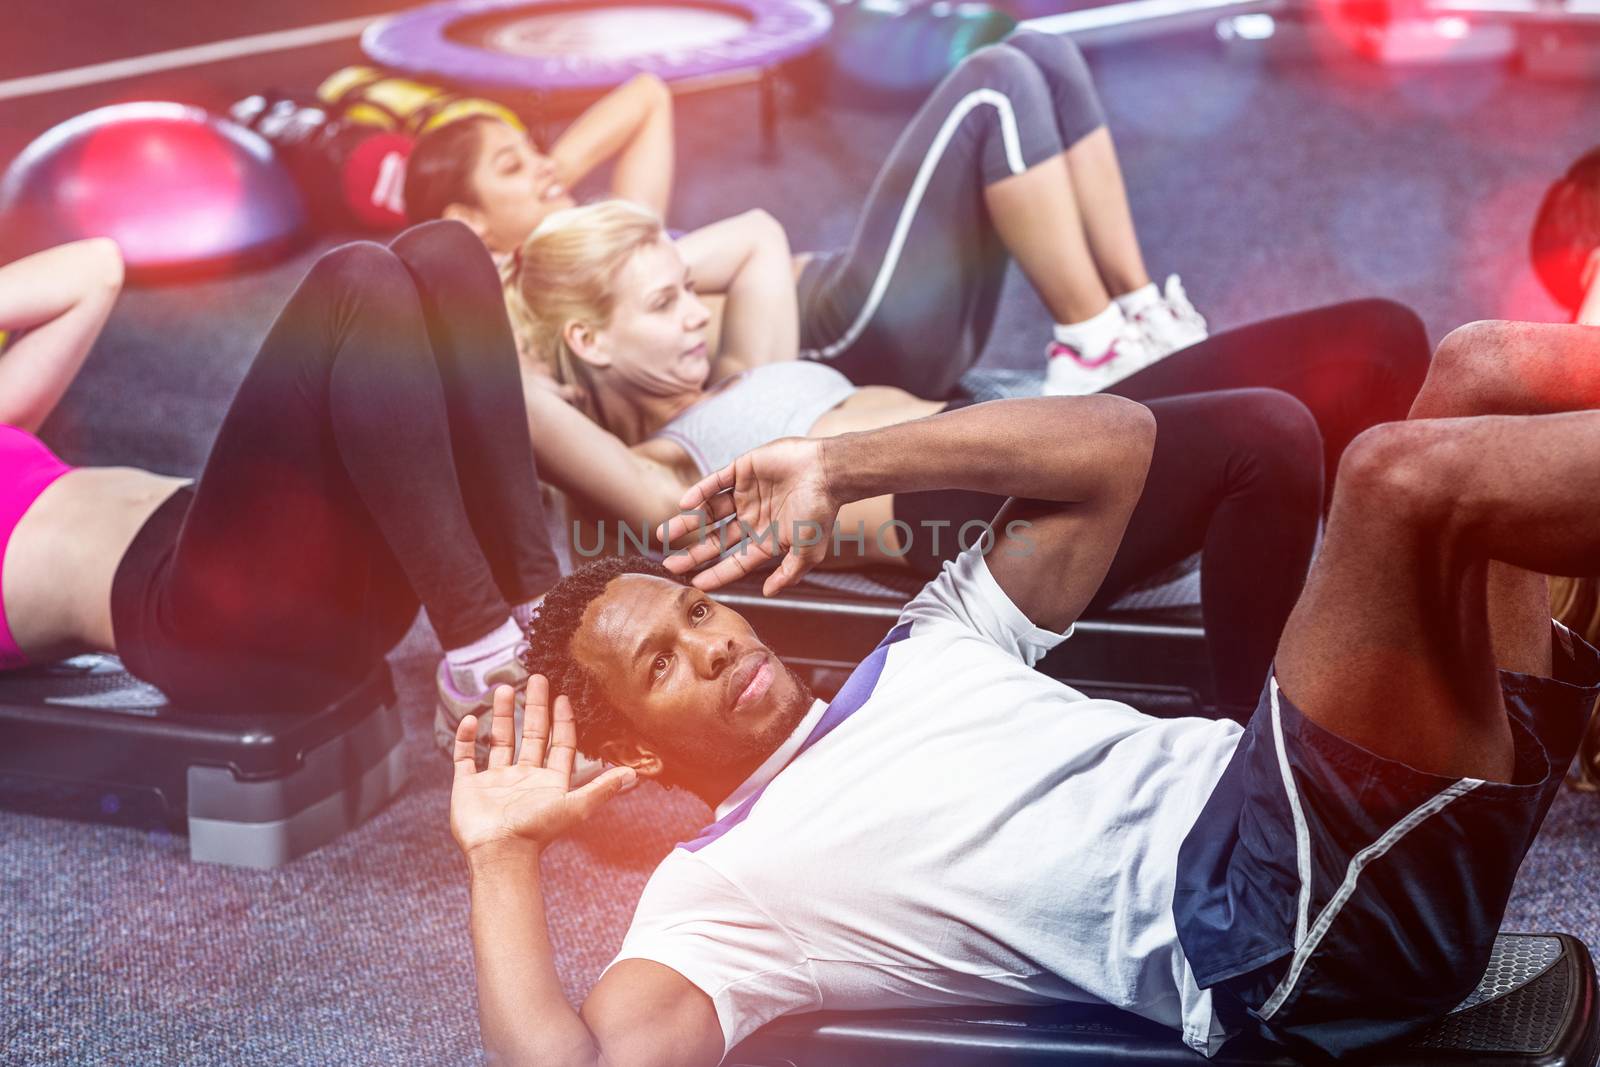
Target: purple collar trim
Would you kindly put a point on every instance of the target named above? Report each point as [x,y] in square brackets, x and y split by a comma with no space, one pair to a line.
[857,688]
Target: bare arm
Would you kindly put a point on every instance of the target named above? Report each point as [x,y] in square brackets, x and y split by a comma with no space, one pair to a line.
[587,461]
[1074,466]
[633,125]
[62,297]
[503,817]
[747,258]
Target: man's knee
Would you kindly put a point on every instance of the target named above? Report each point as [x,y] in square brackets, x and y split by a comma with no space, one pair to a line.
[1468,347]
[1464,375]
[1406,472]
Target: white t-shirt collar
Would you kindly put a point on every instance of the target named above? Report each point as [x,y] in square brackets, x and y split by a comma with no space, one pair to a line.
[774,763]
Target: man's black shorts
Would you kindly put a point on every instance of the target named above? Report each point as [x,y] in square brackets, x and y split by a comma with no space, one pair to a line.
[1339,899]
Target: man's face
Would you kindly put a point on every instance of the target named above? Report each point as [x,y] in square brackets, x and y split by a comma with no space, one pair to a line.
[700,690]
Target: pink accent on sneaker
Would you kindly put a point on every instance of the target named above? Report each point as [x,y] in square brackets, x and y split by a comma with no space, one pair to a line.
[1057,350]
[446,680]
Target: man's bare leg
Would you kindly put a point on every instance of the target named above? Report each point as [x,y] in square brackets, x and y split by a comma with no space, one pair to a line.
[1390,644]
[1470,376]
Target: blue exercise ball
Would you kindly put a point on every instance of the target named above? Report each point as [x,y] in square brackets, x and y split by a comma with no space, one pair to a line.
[180,190]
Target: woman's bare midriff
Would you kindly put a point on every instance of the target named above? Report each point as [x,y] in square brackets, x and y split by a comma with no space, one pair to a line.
[863,533]
[64,553]
[873,407]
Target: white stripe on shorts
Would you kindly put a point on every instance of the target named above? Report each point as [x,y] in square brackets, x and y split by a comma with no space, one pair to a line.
[1302,836]
[1437,803]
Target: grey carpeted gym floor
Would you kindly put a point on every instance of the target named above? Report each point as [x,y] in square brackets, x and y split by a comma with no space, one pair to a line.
[1271,177]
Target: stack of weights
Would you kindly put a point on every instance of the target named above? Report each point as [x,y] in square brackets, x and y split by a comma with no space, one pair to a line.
[348,147]
[350,174]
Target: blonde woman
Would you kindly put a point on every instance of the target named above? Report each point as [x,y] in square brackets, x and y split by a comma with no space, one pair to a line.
[616,319]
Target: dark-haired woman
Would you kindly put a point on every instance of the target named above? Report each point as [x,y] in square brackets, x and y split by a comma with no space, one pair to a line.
[490,176]
[362,470]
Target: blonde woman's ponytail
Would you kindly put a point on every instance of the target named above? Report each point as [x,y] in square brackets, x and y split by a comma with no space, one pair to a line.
[524,327]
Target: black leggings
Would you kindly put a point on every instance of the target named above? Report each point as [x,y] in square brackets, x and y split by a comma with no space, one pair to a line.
[1234,474]
[1353,365]
[912,300]
[375,457]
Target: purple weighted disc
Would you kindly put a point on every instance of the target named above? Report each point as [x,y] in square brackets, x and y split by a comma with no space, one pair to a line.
[559,45]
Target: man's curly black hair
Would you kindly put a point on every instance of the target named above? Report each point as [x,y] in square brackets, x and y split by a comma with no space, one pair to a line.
[550,647]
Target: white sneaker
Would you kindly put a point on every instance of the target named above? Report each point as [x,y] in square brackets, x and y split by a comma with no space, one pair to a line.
[1069,372]
[1172,323]
[453,705]
[458,695]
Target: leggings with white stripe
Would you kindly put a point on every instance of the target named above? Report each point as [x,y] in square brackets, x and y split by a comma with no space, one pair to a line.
[912,300]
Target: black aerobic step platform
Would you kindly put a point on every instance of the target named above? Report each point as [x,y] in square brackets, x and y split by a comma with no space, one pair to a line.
[249,790]
[1535,1007]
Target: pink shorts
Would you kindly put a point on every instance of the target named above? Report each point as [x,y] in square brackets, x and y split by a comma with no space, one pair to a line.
[27,468]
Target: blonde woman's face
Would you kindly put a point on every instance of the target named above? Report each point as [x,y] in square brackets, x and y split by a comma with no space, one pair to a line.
[656,339]
[516,186]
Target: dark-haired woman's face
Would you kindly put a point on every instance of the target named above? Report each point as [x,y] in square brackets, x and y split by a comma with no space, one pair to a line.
[516,186]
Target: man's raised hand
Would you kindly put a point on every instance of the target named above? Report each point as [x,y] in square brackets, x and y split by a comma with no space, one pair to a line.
[780,504]
[528,799]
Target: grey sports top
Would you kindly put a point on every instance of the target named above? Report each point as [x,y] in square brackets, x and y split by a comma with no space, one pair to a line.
[748,410]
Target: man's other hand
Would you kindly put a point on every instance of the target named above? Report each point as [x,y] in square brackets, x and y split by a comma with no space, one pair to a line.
[780,504]
[526,801]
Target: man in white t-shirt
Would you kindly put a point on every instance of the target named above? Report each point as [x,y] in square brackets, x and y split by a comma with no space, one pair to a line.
[955,828]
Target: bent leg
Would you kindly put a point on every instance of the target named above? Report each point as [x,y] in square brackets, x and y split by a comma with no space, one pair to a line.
[911,300]
[1354,365]
[1092,163]
[329,503]
[1511,368]
[1396,614]
[471,339]
[1235,476]
[1043,226]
